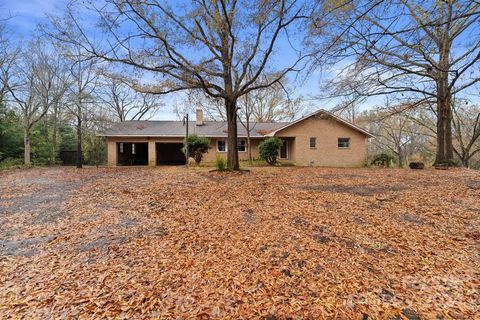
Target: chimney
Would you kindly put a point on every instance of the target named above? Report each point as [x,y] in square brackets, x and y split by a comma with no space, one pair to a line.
[199,119]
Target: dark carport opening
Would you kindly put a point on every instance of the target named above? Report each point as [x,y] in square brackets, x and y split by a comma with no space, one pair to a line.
[170,154]
[132,154]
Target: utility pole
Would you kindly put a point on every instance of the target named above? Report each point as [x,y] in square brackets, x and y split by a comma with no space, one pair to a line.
[185,143]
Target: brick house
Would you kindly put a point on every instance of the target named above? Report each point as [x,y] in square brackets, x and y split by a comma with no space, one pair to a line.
[318,139]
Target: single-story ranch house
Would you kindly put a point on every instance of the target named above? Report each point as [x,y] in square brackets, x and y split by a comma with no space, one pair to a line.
[319,139]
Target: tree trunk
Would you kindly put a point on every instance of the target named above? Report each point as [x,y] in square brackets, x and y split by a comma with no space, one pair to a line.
[79,142]
[400,157]
[444,133]
[465,161]
[248,140]
[444,154]
[232,152]
[47,138]
[53,147]
[26,146]
[448,133]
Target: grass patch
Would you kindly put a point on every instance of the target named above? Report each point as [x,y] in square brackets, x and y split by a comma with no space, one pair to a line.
[12,163]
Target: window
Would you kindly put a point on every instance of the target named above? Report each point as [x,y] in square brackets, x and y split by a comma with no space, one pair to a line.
[242,145]
[284,149]
[313,143]
[133,148]
[344,142]
[221,146]
[121,147]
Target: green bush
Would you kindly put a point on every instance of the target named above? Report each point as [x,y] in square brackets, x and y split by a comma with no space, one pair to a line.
[11,134]
[384,159]
[68,137]
[94,150]
[220,163]
[269,149]
[11,163]
[197,146]
[39,147]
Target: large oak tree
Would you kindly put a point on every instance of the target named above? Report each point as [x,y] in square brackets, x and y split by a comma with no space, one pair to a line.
[425,51]
[195,45]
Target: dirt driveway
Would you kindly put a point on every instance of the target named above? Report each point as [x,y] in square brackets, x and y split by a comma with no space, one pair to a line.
[273,243]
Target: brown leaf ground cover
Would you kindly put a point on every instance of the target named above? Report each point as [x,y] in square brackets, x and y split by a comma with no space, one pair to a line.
[274,243]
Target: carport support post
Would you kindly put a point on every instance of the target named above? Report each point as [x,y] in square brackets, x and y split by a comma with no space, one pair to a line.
[152,153]
[185,143]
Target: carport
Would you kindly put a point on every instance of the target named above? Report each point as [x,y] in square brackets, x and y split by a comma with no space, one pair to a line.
[169,153]
[132,154]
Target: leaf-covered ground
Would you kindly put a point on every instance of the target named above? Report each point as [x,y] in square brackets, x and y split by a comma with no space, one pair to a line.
[274,243]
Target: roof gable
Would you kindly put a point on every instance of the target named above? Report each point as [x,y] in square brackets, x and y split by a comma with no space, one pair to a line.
[327,113]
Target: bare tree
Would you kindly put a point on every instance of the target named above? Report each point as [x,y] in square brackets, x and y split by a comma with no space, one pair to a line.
[245,117]
[415,50]
[6,54]
[125,103]
[19,76]
[274,104]
[392,133]
[266,105]
[466,125]
[81,93]
[35,79]
[213,108]
[400,134]
[52,82]
[229,38]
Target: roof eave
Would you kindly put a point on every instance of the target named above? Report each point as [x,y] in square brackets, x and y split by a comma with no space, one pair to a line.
[168,136]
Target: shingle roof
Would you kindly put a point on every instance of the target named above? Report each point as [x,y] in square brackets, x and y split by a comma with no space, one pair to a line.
[151,128]
[177,129]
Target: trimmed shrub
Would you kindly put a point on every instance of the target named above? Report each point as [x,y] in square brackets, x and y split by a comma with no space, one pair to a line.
[197,147]
[384,159]
[220,163]
[269,150]
[416,165]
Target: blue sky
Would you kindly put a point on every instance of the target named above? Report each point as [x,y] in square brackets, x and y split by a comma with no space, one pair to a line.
[26,14]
